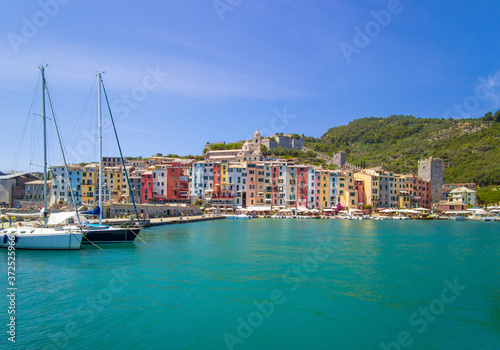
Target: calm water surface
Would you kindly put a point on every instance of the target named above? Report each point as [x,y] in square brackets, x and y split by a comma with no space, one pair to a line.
[267,284]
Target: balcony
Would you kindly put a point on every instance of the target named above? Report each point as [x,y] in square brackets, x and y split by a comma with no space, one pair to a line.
[228,196]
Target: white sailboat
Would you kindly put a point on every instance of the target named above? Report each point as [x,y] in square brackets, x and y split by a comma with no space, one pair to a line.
[25,237]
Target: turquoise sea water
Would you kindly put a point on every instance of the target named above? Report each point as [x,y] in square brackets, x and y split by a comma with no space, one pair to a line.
[266,284]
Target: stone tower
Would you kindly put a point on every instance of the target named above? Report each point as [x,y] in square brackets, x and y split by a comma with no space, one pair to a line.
[339,158]
[431,170]
[256,141]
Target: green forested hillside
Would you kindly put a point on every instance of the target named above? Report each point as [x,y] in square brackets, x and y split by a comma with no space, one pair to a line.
[470,148]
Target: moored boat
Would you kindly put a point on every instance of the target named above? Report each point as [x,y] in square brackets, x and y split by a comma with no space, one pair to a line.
[29,237]
[478,214]
[381,217]
[238,216]
[456,218]
[422,216]
[41,238]
[99,233]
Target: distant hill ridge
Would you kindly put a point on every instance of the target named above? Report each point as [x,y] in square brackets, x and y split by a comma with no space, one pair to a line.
[470,148]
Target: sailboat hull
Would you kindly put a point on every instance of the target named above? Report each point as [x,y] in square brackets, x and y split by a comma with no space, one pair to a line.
[40,238]
[109,234]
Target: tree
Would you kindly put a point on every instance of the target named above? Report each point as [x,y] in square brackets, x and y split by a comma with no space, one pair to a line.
[496,117]
[488,117]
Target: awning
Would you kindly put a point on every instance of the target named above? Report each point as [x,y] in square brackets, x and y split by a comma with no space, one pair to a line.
[410,211]
[262,208]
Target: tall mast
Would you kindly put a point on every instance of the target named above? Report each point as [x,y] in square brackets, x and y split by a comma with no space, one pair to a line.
[66,172]
[121,153]
[42,71]
[100,143]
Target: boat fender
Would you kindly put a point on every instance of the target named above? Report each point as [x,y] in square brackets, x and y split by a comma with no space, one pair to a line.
[5,238]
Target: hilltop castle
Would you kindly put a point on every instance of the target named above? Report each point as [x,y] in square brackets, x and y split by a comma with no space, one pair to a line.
[250,151]
[287,141]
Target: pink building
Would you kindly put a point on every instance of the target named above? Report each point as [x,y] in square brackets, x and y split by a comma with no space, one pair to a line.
[302,186]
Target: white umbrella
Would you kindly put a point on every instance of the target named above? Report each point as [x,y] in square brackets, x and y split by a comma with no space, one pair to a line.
[412,212]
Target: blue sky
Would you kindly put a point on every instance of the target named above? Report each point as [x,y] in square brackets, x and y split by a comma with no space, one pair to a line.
[180,73]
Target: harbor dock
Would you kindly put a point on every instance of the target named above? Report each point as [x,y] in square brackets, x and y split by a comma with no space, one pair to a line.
[166,221]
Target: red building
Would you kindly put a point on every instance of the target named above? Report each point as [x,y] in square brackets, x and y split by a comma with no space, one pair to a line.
[177,182]
[167,183]
[146,186]
[419,190]
[359,186]
[422,190]
[453,206]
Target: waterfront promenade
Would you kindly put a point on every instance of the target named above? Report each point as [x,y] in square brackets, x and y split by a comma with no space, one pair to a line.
[168,220]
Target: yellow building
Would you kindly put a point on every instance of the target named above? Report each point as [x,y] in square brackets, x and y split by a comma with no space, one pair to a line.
[224,178]
[372,186]
[112,178]
[114,184]
[324,191]
[347,193]
[90,177]
[125,193]
[404,200]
